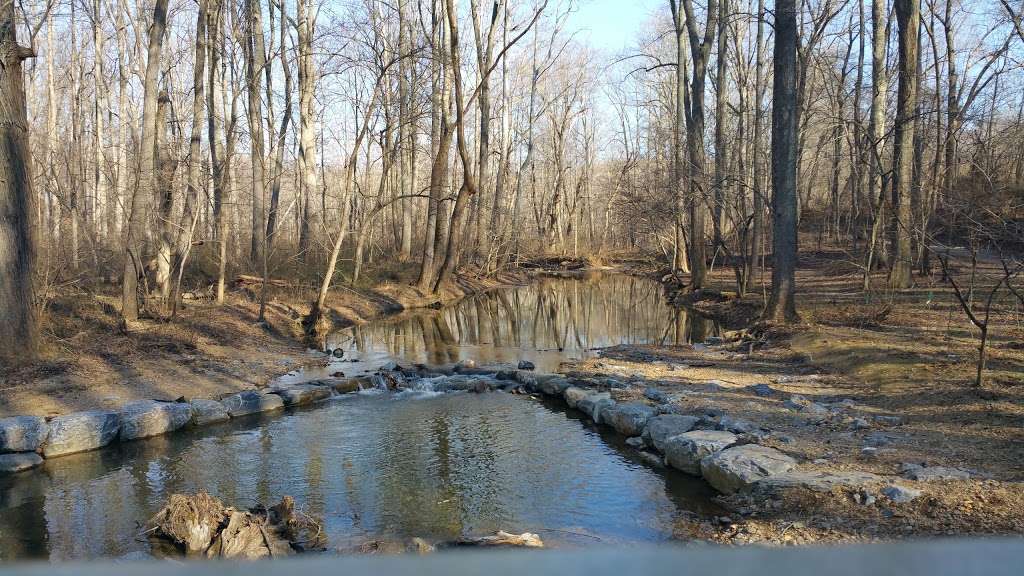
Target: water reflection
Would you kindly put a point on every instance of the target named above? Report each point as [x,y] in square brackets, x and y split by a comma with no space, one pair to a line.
[371,467]
[545,322]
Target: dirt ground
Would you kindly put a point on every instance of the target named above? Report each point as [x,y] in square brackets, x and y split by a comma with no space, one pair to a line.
[207,352]
[898,373]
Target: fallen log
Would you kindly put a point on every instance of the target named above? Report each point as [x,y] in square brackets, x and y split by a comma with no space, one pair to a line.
[245,279]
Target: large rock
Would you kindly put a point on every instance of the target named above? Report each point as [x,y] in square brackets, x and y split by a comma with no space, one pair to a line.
[205,411]
[900,494]
[22,433]
[303,394]
[739,467]
[19,461]
[661,428]
[594,404]
[81,431]
[251,402]
[934,473]
[347,385]
[814,481]
[801,404]
[685,451]
[573,395]
[145,418]
[553,386]
[628,418]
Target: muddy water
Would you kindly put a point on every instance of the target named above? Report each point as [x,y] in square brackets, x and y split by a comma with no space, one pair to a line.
[377,466]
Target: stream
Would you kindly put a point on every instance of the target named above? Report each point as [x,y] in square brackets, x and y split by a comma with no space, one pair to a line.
[389,467]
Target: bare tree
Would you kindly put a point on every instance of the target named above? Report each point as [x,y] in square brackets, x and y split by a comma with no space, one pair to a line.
[782,303]
[19,325]
[134,243]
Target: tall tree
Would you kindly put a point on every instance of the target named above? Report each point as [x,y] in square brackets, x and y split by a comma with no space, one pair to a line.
[908,17]
[700,53]
[785,121]
[19,328]
[255,61]
[134,243]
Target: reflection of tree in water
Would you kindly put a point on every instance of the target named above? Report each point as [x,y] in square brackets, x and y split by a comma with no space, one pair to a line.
[550,314]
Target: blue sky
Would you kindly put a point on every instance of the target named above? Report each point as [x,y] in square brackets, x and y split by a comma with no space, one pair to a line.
[611,25]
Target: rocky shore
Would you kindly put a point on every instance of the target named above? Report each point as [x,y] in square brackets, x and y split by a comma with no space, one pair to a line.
[777,493]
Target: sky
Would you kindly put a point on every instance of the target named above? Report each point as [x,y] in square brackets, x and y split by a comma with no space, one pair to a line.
[611,25]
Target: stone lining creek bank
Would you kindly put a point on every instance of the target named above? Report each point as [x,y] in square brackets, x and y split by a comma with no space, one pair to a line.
[423,443]
[724,450]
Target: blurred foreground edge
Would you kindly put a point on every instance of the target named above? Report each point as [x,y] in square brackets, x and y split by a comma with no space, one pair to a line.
[996,556]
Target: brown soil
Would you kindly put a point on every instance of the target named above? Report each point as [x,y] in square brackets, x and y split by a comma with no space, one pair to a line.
[910,354]
[208,351]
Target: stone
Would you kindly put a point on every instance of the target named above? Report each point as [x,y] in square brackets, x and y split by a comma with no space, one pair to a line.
[553,386]
[206,411]
[468,363]
[736,425]
[593,405]
[526,365]
[19,461]
[303,394]
[739,467]
[878,439]
[801,404]
[528,381]
[900,494]
[933,473]
[655,395]
[628,418]
[251,402]
[860,424]
[814,481]
[22,433]
[685,451]
[888,420]
[81,431]
[661,428]
[345,385]
[635,442]
[762,390]
[573,395]
[145,418]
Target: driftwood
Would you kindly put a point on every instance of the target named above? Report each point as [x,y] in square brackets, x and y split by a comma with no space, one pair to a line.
[500,538]
[418,545]
[247,280]
[201,525]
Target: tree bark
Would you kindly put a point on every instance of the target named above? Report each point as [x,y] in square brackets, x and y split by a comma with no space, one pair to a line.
[135,238]
[782,303]
[908,16]
[19,327]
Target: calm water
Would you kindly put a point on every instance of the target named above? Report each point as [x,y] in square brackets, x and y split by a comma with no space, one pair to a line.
[546,322]
[384,467]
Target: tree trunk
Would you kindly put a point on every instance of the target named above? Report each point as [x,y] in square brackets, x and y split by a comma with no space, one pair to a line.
[908,16]
[135,238]
[19,327]
[782,303]
[255,59]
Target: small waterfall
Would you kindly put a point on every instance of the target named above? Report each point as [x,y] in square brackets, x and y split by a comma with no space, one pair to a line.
[387,380]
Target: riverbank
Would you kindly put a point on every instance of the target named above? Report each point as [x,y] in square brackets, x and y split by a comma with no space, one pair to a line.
[955,459]
[209,351]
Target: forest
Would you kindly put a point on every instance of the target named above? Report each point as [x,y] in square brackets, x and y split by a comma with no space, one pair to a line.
[170,148]
[201,199]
